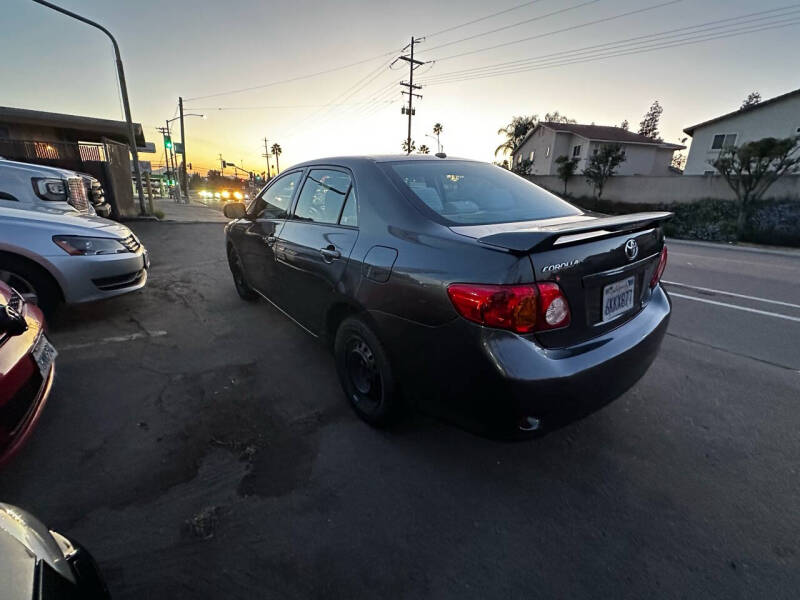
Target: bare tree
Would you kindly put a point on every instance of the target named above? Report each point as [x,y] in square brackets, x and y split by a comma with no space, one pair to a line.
[750,169]
[603,165]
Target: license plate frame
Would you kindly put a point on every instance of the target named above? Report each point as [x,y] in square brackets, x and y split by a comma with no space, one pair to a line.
[618,298]
[44,355]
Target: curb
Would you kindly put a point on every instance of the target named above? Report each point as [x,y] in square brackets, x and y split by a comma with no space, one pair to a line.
[723,246]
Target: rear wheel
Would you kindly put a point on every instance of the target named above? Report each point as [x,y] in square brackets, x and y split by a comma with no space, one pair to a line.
[237,269]
[366,374]
[31,281]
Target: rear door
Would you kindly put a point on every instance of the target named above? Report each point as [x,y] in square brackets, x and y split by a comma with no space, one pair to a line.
[314,245]
[259,233]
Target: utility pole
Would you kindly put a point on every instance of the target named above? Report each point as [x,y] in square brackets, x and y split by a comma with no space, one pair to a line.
[266,155]
[221,166]
[173,166]
[182,177]
[412,66]
[123,89]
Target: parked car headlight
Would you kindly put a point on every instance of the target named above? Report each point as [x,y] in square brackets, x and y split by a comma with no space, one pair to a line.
[50,189]
[88,246]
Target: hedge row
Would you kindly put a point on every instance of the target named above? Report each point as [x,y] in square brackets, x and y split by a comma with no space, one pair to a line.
[774,222]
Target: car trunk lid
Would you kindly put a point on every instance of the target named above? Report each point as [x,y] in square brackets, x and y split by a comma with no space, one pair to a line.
[598,261]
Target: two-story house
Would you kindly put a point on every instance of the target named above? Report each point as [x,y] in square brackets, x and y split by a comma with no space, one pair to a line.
[547,141]
[777,117]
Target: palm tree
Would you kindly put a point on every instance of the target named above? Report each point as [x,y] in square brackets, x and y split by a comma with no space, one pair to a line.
[424,149]
[276,150]
[515,132]
[437,131]
[405,147]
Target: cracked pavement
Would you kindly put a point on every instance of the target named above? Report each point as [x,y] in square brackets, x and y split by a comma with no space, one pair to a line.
[200,447]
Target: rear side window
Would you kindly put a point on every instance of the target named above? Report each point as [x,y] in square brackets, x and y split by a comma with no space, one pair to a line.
[323,196]
[473,193]
[276,199]
[350,211]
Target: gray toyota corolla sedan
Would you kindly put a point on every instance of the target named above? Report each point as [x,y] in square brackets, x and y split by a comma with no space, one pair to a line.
[50,258]
[456,286]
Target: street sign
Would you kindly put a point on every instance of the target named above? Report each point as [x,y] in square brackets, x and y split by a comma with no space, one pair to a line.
[178,146]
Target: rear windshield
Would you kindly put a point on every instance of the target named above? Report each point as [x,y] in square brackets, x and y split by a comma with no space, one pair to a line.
[474,193]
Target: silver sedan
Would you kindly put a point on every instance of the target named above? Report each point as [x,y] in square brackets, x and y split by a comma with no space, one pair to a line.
[55,258]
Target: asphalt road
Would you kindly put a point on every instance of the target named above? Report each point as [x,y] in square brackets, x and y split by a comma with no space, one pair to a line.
[201,448]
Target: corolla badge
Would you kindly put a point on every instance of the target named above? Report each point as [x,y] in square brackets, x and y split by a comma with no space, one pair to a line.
[559,266]
[631,249]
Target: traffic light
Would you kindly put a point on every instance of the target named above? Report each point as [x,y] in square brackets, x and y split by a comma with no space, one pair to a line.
[190,167]
[168,142]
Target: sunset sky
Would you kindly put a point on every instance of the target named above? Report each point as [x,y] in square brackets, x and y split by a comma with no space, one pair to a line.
[203,48]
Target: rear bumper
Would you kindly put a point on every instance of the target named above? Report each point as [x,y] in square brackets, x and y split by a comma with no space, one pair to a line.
[492,380]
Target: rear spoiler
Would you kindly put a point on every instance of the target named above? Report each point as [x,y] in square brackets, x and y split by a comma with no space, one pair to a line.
[540,238]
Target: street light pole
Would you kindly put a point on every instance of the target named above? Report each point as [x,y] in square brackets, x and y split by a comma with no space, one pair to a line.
[123,90]
[184,183]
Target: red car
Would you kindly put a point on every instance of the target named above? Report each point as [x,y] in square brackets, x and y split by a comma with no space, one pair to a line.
[26,370]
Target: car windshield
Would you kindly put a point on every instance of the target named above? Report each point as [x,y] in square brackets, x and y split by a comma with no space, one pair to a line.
[474,193]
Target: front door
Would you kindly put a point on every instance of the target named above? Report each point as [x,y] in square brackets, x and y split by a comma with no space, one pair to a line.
[314,245]
[269,211]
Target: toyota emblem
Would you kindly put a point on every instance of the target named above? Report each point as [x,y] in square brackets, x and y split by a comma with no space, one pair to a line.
[631,249]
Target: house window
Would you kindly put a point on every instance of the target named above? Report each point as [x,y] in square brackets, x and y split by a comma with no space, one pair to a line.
[709,172]
[723,140]
[547,152]
[533,153]
[798,130]
[576,150]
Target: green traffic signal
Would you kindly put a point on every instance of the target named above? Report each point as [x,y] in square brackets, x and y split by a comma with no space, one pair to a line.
[168,142]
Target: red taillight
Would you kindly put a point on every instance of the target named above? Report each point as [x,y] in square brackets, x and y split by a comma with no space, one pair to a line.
[520,308]
[662,264]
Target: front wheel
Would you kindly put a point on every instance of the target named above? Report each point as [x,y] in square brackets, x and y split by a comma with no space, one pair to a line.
[237,269]
[366,374]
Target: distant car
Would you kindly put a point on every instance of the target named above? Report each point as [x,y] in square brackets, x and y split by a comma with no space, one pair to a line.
[44,189]
[41,564]
[26,370]
[53,258]
[456,285]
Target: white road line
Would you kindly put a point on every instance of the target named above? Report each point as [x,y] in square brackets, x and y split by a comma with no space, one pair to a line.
[744,308]
[115,340]
[702,289]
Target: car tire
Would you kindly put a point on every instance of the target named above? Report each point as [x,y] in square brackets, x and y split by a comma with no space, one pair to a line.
[32,281]
[239,280]
[365,373]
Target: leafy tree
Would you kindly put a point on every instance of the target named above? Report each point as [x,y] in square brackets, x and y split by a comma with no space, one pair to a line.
[750,169]
[649,124]
[515,132]
[752,99]
[276,152]
[602,165]
[624,125]
[523,167]
[424,149]
[566,169]
[406,148]
[437,131]
[557,117]
[678,160]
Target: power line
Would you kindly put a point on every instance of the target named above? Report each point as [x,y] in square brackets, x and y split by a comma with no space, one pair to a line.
[478,20]
[563,30]
[678,32]
[518,24]
[644,49]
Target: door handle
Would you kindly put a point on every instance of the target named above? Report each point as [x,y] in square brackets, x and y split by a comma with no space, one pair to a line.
[269,240]
[330,253]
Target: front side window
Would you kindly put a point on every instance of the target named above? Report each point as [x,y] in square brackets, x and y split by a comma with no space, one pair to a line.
[323,196]
[474,193]
[275,201]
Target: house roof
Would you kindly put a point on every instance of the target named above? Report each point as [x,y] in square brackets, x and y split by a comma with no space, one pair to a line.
[87,129]
[603,133]
[690,130]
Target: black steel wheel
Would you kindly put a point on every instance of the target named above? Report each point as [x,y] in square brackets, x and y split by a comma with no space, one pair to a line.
[365,373]
[239,280]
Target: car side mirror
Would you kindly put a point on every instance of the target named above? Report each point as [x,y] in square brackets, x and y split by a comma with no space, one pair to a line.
[234,210]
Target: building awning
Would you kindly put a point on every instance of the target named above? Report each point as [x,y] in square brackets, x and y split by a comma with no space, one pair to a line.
[85,129]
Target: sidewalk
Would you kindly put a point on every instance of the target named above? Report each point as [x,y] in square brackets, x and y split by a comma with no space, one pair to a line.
[740,246]
[194,212]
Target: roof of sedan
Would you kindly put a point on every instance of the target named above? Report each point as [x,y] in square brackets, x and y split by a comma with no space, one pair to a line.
[377,158]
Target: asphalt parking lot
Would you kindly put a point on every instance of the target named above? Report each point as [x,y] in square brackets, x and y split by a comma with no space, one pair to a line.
[200,447]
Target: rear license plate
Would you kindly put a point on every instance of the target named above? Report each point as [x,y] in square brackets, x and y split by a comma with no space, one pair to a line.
[44,354]
[617,298]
